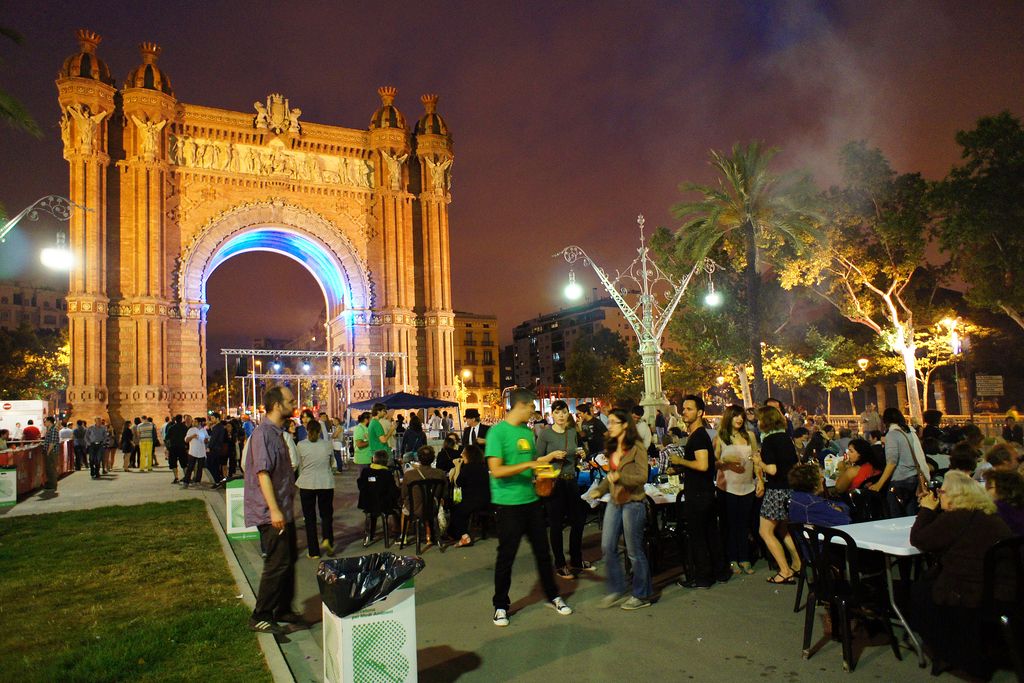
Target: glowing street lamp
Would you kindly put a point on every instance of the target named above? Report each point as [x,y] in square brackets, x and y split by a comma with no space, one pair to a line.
[713,299]
[572,290]
[57,257]
[658,296]
[862,363]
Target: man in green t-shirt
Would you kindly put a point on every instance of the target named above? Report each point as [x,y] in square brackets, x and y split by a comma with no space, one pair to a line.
[361,439]
[379,435]
[510,455]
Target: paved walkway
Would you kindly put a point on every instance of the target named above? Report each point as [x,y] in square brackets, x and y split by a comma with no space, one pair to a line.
[742,630]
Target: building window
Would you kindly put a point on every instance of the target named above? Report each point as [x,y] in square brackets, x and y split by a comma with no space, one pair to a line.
[5,315]
[469,339]
[50,320]
[488,377]
[17,298]
[556,356]
[470,357]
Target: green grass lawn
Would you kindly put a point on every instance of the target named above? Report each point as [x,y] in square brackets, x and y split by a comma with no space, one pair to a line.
[121,593]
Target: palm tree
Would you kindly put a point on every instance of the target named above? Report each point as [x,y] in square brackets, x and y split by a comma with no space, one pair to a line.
[13,112]
[757,212]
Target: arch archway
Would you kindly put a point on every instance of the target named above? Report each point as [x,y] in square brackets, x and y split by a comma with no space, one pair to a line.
[318,245]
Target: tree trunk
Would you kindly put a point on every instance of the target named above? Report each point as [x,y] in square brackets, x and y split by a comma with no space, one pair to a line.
[828,404]
[853,406]
[792,395]
[927,382]
[741,373]
[910,377]
[759,390]
[1014,314]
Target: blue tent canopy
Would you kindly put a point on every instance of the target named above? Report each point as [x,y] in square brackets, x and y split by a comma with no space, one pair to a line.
[403,401]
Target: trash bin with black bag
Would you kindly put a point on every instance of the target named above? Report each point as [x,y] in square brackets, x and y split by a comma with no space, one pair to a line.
[369,617]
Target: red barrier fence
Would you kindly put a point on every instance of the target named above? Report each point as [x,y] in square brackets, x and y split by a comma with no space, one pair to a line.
[30,462]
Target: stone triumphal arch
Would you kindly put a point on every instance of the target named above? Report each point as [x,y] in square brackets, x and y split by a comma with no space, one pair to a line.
[176,189]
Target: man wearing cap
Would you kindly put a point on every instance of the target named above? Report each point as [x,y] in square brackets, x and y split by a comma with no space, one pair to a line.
[474,433]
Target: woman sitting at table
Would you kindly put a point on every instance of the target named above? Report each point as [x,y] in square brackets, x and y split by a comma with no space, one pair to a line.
[469,476]
[958,527]
[807,506]
[860,465]
[1006,488]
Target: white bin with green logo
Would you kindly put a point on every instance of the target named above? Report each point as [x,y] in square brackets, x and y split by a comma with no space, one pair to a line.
[8,486]
[235,497]
[374,644]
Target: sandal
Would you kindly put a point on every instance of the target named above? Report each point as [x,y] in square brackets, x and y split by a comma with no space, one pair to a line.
[746,568]
[779,579]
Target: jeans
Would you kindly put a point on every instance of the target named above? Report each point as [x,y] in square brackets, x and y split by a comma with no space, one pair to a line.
[565,504]
[277,583]
[738,510]
[627,520]
[513,522]
[312,501]
[81,459]
[95,459]
[704,539]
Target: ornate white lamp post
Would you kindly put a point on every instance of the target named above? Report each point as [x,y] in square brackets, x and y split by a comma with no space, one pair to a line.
[647,297]
[57,257]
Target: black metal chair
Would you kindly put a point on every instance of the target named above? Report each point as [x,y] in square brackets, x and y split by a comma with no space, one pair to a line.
[1004,567]
[429,492]
[834,579]
[866,505]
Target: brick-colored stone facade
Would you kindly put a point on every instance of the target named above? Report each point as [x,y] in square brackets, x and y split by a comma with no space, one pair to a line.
[174,189]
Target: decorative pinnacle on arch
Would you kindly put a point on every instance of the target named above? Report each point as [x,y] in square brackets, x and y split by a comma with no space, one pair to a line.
[149,52]
[387,94]
[88,40]
[429,103]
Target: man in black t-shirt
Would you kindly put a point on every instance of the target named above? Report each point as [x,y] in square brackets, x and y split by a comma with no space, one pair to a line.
[704,556]
[593,430]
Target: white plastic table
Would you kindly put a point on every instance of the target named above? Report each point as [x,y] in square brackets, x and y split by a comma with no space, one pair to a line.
[891,537]
[657,495]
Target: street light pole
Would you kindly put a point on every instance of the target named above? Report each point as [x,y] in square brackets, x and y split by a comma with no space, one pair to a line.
[648,315]
[60,208]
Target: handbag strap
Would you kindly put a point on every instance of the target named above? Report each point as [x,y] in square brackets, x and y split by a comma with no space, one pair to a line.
[913,455]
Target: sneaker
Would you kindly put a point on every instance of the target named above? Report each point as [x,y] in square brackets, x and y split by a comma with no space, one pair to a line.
[558,604]
[610,600]
[292,619]
[263,626]
[500,617]
[312,556]
[327,548]
[175,481]
[635,603]
[565,573]
[587,567]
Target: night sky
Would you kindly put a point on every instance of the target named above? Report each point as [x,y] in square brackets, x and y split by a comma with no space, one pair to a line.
[568,119]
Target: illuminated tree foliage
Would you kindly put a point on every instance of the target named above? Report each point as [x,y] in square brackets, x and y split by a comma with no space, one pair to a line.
[33,365]
[871,260]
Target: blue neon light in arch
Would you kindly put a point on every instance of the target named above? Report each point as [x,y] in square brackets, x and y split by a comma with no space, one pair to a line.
[323,267]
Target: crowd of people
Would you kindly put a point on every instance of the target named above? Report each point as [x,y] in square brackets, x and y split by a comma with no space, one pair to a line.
[747,476]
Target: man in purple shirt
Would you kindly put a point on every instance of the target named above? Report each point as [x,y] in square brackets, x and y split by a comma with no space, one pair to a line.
[269,504]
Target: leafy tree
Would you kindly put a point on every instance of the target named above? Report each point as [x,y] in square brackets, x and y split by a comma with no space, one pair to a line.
[982,223]
[592,361]
[215,391]
[13,112]
[785,368]
[755,213]
[833,363]
[871,260]
[33,364]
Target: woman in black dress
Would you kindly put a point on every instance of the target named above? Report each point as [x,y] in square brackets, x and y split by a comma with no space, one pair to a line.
[472,480]
[772,464]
